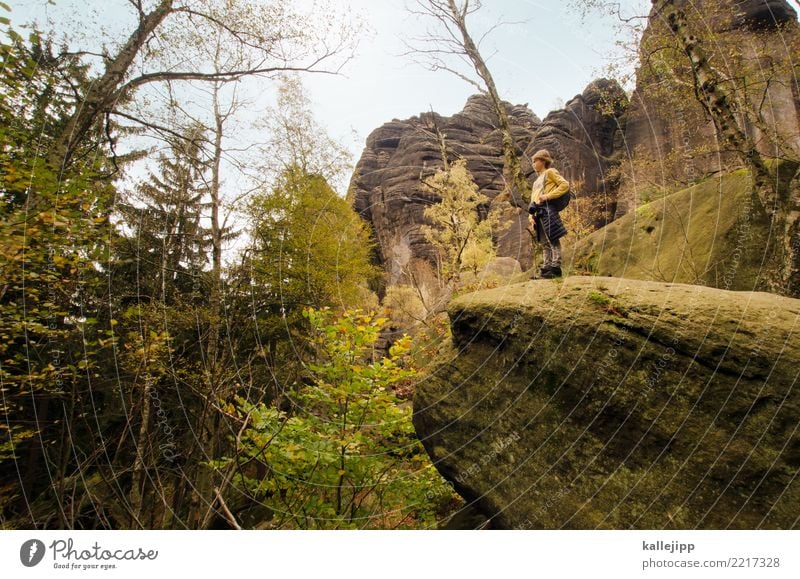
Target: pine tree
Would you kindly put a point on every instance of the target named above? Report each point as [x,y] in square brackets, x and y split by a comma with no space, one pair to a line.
[164,245]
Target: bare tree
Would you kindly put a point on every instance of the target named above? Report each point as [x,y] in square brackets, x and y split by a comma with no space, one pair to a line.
[275,39]
[452,41]
[295,139]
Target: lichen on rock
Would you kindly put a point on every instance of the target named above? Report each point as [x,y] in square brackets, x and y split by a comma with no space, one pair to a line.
[615,403]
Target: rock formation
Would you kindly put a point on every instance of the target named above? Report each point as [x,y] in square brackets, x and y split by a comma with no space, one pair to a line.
[613,403]
[586,138]
[714,233]
[671,140]
[386,187]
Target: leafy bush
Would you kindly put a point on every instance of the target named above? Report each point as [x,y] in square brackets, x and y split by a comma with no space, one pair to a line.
[346,455]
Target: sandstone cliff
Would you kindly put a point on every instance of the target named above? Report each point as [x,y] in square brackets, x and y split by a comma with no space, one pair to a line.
[386,189]
[613,403]
[754,45]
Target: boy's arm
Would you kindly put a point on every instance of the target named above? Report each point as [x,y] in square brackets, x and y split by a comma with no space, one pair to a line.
[562,185]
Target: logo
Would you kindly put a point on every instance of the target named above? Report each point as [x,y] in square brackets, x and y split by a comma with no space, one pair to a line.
[31,553]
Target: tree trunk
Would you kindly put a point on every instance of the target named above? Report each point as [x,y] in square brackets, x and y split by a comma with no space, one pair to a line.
[215,300]
[138,464]
[784,249]
[717,103]
[209,418]
[103,93]
[512,171]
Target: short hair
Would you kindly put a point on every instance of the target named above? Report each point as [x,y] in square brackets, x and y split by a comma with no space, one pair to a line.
[544,155]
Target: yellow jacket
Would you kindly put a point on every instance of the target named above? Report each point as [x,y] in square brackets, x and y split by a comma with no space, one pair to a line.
[555,186]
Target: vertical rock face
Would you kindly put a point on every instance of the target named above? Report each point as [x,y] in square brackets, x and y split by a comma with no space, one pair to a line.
[755,14]
[671,140]
[386,188]
[585,138]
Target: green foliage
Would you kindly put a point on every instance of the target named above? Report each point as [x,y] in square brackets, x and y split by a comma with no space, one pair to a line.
[165,246]
[599,298]
[108,377]
[461,237]
[346,456]
[54,228]
[309,249]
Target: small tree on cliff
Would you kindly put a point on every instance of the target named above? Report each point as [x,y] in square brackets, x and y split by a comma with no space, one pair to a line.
[462,239]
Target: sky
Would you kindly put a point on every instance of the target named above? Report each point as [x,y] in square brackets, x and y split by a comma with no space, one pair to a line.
[544,56]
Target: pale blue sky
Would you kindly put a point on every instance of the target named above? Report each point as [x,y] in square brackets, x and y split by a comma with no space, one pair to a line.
[544,58]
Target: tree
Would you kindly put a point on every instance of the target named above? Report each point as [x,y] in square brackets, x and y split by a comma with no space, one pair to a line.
[461,237]
[53,236]
[731,122]
[272,37]
[296,140]
[711,92]
[105,344]
[159,262]
[454,41]
[225,36]
[309,249]
[346,457]
[166,244]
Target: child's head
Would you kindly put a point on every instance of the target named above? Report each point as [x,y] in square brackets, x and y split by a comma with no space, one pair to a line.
[542,155]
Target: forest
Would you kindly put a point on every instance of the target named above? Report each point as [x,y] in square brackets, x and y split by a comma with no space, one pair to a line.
[198,332]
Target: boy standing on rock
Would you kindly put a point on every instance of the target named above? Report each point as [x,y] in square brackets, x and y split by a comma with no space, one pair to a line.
[549,185]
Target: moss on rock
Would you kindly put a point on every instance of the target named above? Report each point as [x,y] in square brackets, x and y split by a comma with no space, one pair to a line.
[714,233]
[615,403]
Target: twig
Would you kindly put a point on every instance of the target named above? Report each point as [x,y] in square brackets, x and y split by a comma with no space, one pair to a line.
[226,511]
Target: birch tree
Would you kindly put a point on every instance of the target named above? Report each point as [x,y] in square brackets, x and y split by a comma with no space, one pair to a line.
[275,38]
[451,41]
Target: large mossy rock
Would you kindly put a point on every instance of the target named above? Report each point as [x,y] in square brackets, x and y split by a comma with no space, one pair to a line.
[715,233]
[615,403]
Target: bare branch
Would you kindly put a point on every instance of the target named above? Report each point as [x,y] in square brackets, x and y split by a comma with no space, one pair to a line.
[154,126]
[225,75]
[453,40]
[226,511]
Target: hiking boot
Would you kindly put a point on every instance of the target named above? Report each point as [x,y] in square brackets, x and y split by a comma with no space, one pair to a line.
[551,272]
[547,272]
